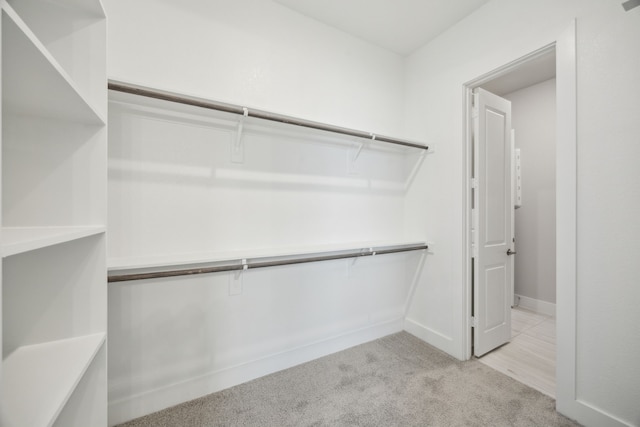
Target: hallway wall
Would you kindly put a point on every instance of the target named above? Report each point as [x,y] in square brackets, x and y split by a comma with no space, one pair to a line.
[534,121]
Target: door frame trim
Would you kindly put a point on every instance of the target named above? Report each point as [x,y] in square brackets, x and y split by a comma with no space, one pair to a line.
[467,193]
[565,45]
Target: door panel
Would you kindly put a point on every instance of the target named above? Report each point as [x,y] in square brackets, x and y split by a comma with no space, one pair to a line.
[495,177]
[493,235]
[495,300]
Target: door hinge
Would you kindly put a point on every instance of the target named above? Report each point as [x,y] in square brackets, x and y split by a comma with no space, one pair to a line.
[474,105]
[474,182]
[474,322]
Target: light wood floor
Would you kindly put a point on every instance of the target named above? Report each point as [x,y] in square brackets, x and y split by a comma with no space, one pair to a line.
[530,357]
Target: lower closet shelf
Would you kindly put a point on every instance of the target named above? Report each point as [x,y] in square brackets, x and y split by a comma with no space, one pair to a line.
[39,379]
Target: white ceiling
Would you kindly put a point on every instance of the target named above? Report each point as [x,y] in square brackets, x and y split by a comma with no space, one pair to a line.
[401,26]
[532,72]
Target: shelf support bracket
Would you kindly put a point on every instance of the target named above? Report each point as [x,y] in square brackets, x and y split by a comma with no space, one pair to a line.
[361,145]
[352,169]
[236,279]
[355,157]
[237,148]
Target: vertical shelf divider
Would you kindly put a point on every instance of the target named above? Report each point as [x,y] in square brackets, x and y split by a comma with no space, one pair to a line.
[53,152]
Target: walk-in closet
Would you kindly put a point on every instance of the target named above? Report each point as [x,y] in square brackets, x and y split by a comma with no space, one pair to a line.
[299,212]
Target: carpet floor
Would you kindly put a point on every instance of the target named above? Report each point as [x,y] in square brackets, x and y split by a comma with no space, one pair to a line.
[397,380]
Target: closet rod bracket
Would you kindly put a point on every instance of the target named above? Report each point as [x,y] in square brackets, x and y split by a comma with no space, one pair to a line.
[237,148]
[352,159]
[360,147]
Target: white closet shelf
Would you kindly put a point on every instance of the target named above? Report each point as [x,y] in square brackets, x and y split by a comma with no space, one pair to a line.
[121,269]
[265,116]
[16,240]
[39,379]
[190,258]
[34,83]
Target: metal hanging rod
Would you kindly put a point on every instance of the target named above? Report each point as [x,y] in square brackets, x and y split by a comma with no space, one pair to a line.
[244,264]
[230,108]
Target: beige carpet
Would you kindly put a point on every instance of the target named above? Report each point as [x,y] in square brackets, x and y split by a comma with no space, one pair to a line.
[394,381]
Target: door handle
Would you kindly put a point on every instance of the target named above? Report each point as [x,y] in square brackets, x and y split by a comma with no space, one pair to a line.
[510,252]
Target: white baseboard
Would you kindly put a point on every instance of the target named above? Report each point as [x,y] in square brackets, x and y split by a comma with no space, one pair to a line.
[136,406]
[536,305]
[430,336]
[588,415]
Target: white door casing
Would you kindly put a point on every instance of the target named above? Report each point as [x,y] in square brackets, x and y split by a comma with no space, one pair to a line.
[492,222]
[514,184]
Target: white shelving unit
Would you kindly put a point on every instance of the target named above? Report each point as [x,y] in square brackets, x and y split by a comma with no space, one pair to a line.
[53,197]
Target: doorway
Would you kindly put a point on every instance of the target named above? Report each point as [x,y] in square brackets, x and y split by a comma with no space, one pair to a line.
[529,353]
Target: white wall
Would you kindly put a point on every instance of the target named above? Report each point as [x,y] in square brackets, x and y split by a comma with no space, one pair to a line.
[534,120]
[608,192]
[258,54]
[173,190]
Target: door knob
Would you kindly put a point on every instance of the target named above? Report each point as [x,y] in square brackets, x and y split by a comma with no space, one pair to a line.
[510,252]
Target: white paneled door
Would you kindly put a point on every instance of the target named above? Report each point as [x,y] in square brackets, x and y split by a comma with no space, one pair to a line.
[493,237]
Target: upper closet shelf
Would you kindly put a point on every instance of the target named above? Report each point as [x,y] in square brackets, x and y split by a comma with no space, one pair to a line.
[249,112]
[16,240]
[33,82]
[40,378]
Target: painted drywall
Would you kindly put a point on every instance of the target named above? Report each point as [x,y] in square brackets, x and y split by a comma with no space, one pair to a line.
[257,54]
[534,120]
[608,190]
[299,67]
[174,191]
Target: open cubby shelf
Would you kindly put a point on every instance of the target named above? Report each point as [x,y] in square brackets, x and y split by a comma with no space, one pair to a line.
[39,379]
[53,120]
[34,83]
